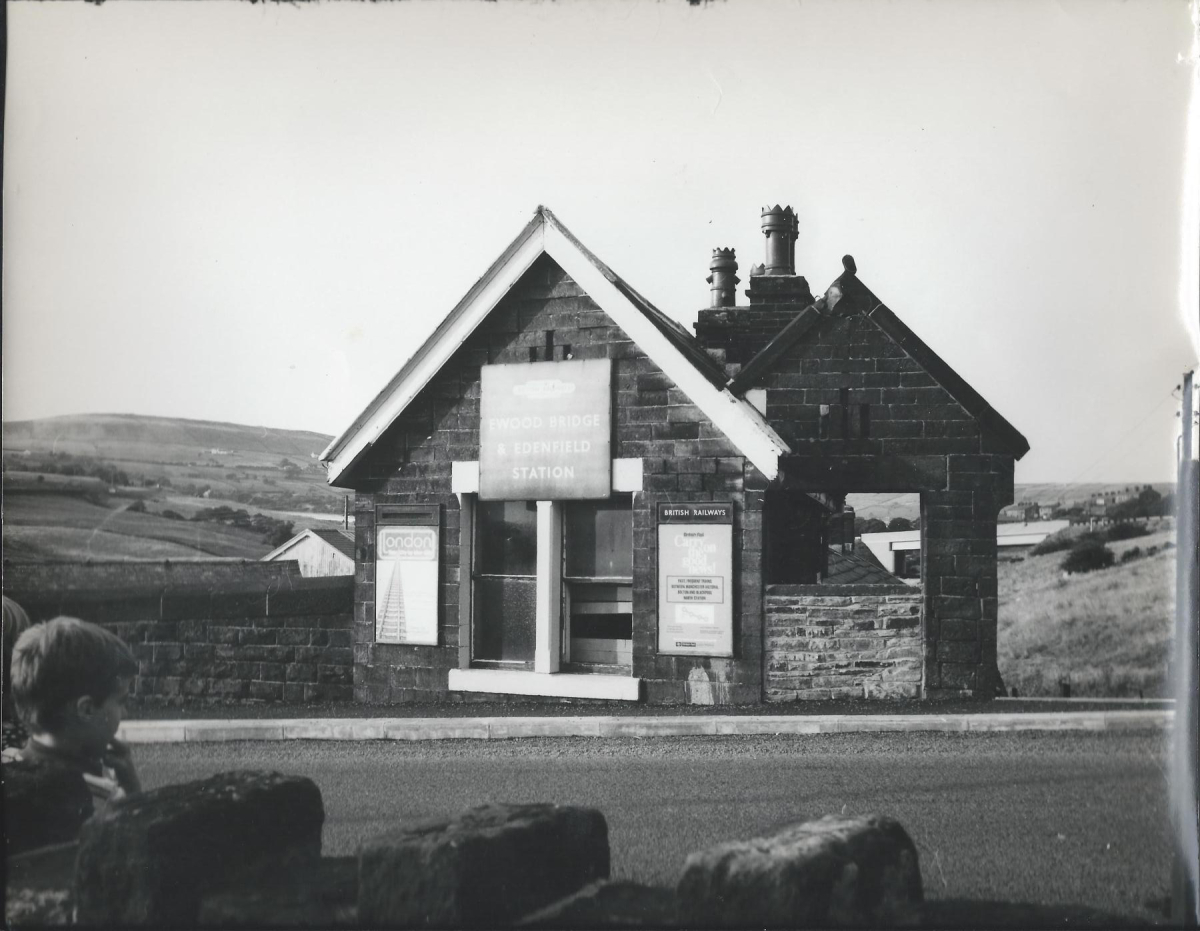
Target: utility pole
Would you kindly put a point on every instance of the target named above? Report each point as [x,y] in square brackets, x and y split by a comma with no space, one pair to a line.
[1185,912]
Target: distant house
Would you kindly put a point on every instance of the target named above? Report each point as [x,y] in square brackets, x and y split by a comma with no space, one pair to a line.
[319,552]
[1024,511]
[899,551]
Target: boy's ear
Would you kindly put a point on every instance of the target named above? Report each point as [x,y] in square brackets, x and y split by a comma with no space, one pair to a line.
[85,707]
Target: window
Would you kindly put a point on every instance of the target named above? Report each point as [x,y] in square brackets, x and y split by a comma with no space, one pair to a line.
[598,589]
[507,538]
[505,576]
[600,539]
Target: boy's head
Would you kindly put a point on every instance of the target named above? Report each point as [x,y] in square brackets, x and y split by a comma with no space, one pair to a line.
[70,679]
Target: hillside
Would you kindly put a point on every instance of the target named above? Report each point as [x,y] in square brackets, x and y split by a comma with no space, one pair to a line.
[1108,631]
[1061,492]
[131,437]
[118,486]
[886,506]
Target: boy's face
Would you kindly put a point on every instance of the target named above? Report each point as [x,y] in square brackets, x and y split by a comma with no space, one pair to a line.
[100,721]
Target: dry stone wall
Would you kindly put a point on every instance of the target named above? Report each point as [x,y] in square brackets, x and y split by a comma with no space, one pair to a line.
[275,639]
[843,641]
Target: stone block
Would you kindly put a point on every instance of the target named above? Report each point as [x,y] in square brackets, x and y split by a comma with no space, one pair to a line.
[321,895]
[835,872]
[43,804]
[487,867]
[150,858]
[37,885]
[608,904]
[333,595]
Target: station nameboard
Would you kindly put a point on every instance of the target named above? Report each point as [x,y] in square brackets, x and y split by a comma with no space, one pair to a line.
[545,430]
[695,579]
[406,579]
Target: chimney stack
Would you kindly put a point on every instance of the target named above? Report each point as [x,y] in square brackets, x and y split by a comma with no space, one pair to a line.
[780,227]
[724,279]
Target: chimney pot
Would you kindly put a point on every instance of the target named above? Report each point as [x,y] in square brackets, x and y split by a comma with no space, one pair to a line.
[781,229]
[724,279]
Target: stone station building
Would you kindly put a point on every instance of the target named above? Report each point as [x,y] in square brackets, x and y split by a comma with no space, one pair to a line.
[565,493]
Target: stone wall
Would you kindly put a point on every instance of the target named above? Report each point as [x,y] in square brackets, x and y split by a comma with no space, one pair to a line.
[545,317]
[892,427]
[843,641]
[958,559]
[276,639]
[97,575]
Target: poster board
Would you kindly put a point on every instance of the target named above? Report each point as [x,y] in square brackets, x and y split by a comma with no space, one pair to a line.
[545,430]
[407,545]
[695,579]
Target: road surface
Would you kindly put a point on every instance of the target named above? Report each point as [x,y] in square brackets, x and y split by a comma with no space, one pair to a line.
[1046,818]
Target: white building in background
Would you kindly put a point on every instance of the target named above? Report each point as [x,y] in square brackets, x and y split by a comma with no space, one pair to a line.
[899,551]
[319,552]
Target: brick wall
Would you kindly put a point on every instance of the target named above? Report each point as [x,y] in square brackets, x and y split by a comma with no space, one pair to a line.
[738,334]
[910,414]
[843,641]
[685,458]
[97,575]
[229,639]
[959,566]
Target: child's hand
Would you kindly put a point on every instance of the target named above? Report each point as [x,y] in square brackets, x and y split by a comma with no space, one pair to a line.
[119,758]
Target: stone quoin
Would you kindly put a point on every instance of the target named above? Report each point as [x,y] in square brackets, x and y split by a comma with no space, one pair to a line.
[619,508]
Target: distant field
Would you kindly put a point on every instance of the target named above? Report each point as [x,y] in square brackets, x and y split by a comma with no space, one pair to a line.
[38,544]
[300,519]
[39,524]
[170,464]
[1108,631]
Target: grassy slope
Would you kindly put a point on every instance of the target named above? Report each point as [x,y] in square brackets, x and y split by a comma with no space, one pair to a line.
[1109,631]
[52,544]
[48,526]
[63,527]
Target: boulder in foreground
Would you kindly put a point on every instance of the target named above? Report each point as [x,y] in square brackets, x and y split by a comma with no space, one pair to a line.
[834,872]
[487,867]
[150,858]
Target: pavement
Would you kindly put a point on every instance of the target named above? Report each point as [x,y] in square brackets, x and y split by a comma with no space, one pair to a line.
[506,728]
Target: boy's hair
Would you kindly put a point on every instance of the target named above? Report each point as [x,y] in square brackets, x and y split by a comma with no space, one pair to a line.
[16,622]
[62,660]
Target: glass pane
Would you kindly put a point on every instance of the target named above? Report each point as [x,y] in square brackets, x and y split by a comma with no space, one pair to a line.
[600,538]
[505,613]
[507,538]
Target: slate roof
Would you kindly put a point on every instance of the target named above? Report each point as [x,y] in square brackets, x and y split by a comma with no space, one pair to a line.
[339,539]
[857,569]
[848,295]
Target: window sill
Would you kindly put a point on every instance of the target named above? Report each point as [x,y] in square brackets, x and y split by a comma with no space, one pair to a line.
[550,685]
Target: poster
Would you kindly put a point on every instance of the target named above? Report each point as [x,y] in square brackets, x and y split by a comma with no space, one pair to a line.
[695,579]
[545,431]
[406,585]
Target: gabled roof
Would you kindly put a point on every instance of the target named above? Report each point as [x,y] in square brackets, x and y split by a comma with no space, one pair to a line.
[666,342]
[848,295]
[340,540]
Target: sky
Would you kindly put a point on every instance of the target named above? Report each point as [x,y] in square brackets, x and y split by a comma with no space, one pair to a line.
[256,212]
